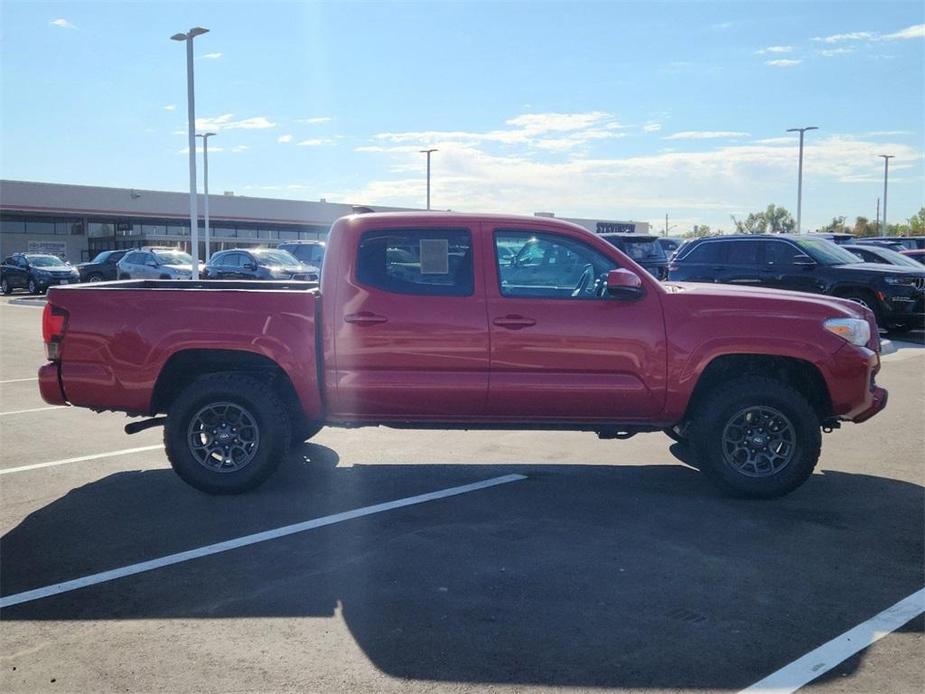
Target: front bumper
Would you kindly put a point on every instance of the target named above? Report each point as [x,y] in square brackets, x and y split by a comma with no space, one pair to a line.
[851,378]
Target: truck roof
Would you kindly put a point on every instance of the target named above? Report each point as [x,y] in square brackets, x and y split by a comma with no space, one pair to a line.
[461,217]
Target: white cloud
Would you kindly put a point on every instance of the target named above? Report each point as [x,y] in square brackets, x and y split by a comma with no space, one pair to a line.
[227,122]
[652,127]
[170,107]
[284,138]
[481,174]
[240,148]
[887,133]
[704,135]
[917,31]
[784,62]
[545,131]
[211,56]
[831,52]
[316,142]
[314,121]
[853,36]
[775,49]
[62,24]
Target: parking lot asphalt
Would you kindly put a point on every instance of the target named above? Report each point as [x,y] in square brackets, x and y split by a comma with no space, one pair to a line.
[610,565]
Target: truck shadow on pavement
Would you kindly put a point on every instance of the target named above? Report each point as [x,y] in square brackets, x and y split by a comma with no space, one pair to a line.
[580,575]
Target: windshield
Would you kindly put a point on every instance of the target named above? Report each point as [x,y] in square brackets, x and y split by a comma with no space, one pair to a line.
[893,258]
[275,256]
[174,257]
[44,260]
[643,249]
[827,252]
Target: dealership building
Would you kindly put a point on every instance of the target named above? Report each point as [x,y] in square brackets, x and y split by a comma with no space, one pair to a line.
[77,222]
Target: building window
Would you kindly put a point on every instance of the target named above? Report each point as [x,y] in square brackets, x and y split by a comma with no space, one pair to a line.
[224,232]
[154,229]
[289,235]
[98,229]
[13,226]
[247,233]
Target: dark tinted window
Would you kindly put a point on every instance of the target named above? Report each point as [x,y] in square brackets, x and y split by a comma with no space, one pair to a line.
[638,249]
[135,258]
[780,253]
[707,252]
[436,262]
[743,252]
[547,265]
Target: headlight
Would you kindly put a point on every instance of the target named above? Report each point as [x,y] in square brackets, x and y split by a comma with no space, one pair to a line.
[854,330]
[900,280]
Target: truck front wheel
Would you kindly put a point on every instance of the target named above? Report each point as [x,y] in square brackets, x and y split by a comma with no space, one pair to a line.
[226,433]
[756,437]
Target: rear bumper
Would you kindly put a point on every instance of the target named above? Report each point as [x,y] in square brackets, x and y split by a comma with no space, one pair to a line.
[50,385]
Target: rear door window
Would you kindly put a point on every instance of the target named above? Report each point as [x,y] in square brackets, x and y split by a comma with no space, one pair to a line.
[743,253]
[430,262]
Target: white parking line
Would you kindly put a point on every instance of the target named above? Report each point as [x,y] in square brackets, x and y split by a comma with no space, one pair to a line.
[815,663]
[80,459]
[36,409]
[208,550]
[20,380]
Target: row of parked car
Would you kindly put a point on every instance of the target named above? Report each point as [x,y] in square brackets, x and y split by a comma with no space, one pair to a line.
[36,272]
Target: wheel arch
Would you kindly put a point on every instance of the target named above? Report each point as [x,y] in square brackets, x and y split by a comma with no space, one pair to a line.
[185,366]
[801,375]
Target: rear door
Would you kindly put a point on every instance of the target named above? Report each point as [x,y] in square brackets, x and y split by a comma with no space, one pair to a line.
[410,328]
[741,266]
[560,352]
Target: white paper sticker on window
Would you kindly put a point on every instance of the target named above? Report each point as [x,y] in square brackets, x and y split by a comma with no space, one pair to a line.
[435,257]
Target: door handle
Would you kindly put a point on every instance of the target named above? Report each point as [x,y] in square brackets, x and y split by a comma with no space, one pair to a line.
[365,318]
[514,322]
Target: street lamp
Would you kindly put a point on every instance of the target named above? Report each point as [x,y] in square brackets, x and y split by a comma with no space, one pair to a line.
[205,180]
[886,173]
[428,153]
[191,115]
[800,175]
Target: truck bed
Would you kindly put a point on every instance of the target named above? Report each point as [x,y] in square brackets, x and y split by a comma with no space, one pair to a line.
[124,339]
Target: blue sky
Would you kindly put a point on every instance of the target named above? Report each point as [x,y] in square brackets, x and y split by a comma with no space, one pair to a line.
[613,110]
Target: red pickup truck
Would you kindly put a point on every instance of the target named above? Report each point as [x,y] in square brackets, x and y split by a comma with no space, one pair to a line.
[442,320]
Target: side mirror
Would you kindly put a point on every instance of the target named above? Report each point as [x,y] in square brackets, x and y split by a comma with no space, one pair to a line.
[625,285]
[250,266]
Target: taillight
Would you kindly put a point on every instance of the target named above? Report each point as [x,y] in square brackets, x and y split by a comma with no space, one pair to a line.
[54,324]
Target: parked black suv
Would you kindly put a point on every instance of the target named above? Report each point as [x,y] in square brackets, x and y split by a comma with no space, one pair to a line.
[644,249]
[807,264]
[102,268]
[309,252]
[910,243]
[258,264]
[35,272]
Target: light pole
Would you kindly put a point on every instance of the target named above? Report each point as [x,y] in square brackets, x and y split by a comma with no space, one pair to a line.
[205,181]
[800,175]
[886,174]
[428,152]
[191,115]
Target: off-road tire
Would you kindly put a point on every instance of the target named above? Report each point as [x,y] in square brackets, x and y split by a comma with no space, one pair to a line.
[95,277]
[259,398]
[721,405]
[870,302]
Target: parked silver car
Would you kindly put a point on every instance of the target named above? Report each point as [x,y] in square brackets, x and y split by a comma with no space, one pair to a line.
[156,264]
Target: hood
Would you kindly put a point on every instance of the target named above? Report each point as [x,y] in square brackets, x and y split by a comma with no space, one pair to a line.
[53,268]
[881,269]
[766,315]
[758,301]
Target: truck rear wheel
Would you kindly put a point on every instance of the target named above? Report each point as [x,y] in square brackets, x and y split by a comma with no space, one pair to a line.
[226,433]
[756,437]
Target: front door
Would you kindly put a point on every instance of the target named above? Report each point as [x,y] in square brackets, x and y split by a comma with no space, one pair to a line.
[786,266]
[410,329]
[559,350]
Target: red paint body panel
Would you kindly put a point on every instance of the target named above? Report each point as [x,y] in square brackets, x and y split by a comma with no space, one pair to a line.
[481,359]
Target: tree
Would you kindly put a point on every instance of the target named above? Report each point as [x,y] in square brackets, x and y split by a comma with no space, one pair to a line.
[780,221]
[698,231]
[836,226]
[864,227]
[773,220]
[917,223]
